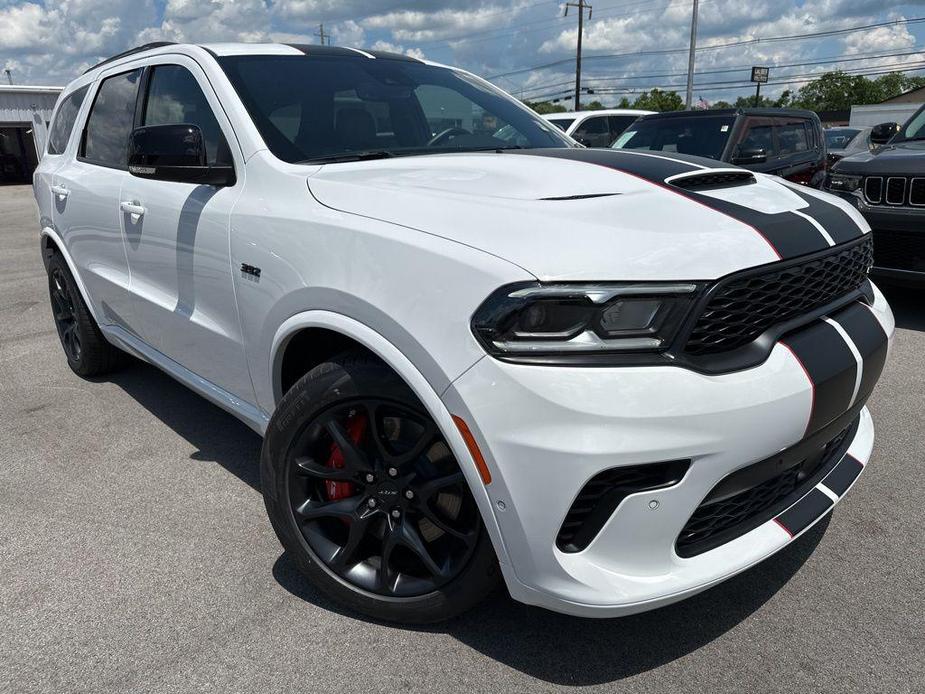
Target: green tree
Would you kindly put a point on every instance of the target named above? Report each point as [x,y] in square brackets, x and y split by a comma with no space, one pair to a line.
[836,91]
[658,100]
[593,106]
[624,103]
[543,107]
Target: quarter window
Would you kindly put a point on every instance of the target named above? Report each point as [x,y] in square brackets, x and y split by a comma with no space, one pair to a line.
[64,121]
[174,97]
[111,119]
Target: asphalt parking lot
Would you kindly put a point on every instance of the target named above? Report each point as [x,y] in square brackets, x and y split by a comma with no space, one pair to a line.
[135,555]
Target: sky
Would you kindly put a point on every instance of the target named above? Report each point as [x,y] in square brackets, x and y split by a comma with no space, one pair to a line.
[526,47]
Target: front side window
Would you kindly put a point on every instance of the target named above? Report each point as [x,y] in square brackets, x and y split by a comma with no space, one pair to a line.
[325,108]
[703,136]
[758,135]
[64,121]
[174,97]
[111,120]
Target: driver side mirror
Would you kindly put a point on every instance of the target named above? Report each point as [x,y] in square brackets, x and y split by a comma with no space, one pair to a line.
[174,152]
[750,156]
[883,133]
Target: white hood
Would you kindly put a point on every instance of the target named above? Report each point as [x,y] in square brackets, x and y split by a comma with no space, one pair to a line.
[524,209]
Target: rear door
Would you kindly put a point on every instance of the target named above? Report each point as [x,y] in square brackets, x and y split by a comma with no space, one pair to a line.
[177,237]
[86,197]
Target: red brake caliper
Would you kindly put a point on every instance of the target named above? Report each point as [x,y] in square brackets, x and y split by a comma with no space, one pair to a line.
[356,428]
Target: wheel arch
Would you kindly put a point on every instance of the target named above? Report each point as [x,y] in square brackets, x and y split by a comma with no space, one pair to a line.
[52,243]
[342,330]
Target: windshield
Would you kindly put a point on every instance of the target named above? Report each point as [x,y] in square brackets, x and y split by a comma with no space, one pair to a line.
[327,108]
[703,136]
[839,138]
[914,129]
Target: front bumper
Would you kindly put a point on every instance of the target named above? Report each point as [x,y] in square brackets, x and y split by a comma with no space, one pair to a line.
[545,431]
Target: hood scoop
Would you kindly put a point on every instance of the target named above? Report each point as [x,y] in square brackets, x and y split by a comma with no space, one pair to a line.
[712,179]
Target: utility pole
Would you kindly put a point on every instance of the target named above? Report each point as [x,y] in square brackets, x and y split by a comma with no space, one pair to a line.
[325,38]
[690,60]
[581,5]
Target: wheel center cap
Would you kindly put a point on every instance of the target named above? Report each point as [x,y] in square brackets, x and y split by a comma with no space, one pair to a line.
[387,492]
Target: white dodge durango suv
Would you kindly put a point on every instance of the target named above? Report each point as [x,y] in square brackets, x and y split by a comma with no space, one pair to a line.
[475,351]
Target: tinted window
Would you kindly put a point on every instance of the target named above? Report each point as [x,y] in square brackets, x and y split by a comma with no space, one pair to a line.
[174,96]
[618,124]
[758,134]
[703,136]
[327,107]
[64,121]
[792,137]
[111,119]
[594,132]
[562,123]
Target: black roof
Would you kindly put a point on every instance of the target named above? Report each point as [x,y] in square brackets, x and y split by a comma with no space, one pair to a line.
[704,113]
[131,51]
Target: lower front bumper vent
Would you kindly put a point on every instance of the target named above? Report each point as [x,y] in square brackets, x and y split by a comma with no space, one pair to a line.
[755,494]
[601,495]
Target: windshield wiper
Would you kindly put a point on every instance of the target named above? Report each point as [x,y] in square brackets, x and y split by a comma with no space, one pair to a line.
[364,155]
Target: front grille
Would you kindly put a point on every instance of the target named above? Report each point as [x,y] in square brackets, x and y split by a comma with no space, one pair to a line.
[601,495]
[717,521]
[723,179]
[899,250]
[742,306]
[896,191]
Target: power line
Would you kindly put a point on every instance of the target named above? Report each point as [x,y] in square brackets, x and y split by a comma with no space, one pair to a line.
[828,60]
[723,85]
[717,46]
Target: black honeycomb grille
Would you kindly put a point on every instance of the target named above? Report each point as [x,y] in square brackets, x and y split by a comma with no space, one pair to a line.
[740,308]
[722,179]
[714,523]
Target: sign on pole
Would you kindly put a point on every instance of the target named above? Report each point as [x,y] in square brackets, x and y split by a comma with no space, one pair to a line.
[759,76]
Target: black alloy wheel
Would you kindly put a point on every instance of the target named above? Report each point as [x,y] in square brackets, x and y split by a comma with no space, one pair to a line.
[379,498]
[65,315]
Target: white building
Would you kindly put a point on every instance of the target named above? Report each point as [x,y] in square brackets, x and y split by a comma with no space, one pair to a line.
[20,107]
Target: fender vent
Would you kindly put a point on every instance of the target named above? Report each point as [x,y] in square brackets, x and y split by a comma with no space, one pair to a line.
[601,495]
[713,179]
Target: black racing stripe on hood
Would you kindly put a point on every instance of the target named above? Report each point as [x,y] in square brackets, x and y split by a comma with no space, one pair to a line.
[835,220]
[789,234]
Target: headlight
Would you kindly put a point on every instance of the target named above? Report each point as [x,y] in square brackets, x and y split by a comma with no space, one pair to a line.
[843,183]
[581,319]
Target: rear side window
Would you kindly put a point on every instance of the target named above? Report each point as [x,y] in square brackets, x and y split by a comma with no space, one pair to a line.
[111,120]
[792,137]
[618,124]
[64,121]
[594,131]
[174,96]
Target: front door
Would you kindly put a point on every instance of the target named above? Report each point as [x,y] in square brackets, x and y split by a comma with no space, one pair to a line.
[177,239]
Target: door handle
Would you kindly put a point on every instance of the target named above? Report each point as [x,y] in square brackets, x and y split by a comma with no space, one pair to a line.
[60,191]
[132,208]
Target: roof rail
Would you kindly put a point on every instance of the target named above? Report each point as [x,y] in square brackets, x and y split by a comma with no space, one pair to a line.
[131,51]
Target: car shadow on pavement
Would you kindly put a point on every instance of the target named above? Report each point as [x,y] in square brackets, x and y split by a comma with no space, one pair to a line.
[567,650]
[908,304]
[552,647]
[217,436]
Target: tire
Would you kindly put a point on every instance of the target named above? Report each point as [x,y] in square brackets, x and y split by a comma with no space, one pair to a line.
[87,351]
[408,559]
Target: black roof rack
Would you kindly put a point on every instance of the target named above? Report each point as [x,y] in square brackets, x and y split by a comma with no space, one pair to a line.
[131,51]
